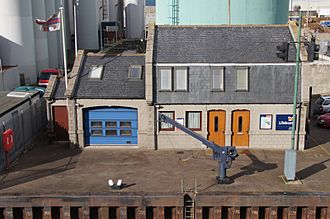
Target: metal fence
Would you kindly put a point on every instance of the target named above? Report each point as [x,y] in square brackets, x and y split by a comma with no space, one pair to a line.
[26,125]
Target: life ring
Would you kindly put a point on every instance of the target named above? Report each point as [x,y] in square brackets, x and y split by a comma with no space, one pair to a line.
[8,140]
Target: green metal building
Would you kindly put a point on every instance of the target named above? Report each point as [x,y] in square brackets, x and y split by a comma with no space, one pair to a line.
[215,12]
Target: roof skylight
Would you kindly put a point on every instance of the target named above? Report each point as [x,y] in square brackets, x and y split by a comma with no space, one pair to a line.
[135,72]
[96,72]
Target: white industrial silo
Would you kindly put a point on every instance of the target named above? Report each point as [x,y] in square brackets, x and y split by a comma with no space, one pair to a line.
[134,18]
[17,45]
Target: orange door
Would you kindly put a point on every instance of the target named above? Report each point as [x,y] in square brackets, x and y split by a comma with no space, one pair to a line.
[240,128]
[216,127]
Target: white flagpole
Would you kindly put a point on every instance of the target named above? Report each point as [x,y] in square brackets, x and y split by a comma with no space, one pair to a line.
[75,4]
[64,48]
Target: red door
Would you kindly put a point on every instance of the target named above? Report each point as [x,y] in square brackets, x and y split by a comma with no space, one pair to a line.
[61,124]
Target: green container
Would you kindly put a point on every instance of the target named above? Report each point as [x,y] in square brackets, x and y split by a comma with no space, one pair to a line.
[216,12]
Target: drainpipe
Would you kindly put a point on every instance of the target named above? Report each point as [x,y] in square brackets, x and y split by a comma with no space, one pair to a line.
[155,127]
[75,133]
[50,125]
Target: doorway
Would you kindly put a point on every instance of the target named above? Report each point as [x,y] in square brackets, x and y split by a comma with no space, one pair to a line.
[240,128]
[217,126]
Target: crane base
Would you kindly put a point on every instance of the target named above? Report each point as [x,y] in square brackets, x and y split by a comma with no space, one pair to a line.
[225,180]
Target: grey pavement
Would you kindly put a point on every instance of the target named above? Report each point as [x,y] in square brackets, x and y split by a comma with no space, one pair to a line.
[56,169]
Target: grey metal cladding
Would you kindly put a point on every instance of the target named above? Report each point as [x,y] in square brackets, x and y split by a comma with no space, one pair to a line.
[267,84]
[115,83]
[205,44]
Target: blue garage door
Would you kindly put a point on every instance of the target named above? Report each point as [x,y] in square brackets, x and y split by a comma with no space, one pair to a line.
[106,126]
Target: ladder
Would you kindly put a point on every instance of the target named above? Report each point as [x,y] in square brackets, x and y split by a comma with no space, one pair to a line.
[189,208]
[175,12]
[105,10]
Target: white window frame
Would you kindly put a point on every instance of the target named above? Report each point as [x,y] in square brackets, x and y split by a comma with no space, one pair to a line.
[247,73]
[222,78]
[200,120]
[169,88]
[131,67]
[178,71]
[168,127]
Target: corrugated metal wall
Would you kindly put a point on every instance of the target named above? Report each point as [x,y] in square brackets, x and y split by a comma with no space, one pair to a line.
[26,124]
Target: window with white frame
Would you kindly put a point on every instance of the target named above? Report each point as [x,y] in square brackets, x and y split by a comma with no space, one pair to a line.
[163,126]
[181,79]
[242,78]
[165,79]
[96,72]
[135,72]
[194,120]
[217,79]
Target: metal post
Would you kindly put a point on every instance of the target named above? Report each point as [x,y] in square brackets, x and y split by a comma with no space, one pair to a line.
[296,76]
[290,158]
[101,18]
[64,47]
[229,19]
[75,4]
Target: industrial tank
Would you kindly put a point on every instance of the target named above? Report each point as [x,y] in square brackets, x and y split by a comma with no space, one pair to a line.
[215,12]
[134,18]
[17,45]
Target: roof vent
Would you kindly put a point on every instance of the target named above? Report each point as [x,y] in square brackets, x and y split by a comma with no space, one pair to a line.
[19,94]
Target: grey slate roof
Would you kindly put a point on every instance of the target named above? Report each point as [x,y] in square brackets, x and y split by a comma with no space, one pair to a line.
[115,83]
[60,90]
[220,44]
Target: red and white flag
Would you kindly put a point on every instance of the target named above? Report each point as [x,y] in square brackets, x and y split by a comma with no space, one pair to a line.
[53,23]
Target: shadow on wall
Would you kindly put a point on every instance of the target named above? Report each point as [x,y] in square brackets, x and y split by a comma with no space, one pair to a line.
[9,51]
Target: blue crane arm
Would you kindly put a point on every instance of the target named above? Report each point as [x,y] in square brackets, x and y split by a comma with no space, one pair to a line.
[193,134]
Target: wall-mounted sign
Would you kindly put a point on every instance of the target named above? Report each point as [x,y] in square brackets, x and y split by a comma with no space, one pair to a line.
[266,121]
[284,122]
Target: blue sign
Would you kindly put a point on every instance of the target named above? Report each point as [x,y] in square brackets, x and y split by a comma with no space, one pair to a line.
[284,122]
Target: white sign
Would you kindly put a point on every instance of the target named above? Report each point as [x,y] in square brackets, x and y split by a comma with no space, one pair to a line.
[266,121]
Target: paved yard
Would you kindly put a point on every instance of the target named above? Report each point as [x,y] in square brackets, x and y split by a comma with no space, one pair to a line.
[56,169]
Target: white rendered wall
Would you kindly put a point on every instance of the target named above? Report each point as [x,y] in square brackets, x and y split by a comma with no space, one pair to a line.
[17,45]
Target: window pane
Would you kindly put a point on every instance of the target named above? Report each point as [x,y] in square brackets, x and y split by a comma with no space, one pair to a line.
[217,79]
[242,79]
[125,132]
[96,132]
[96,124]
[181,79]
[111,132]
[216,124]
[125,125]
[164,125]
[240,124]
[193,120]
[165,79]
[111,124]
